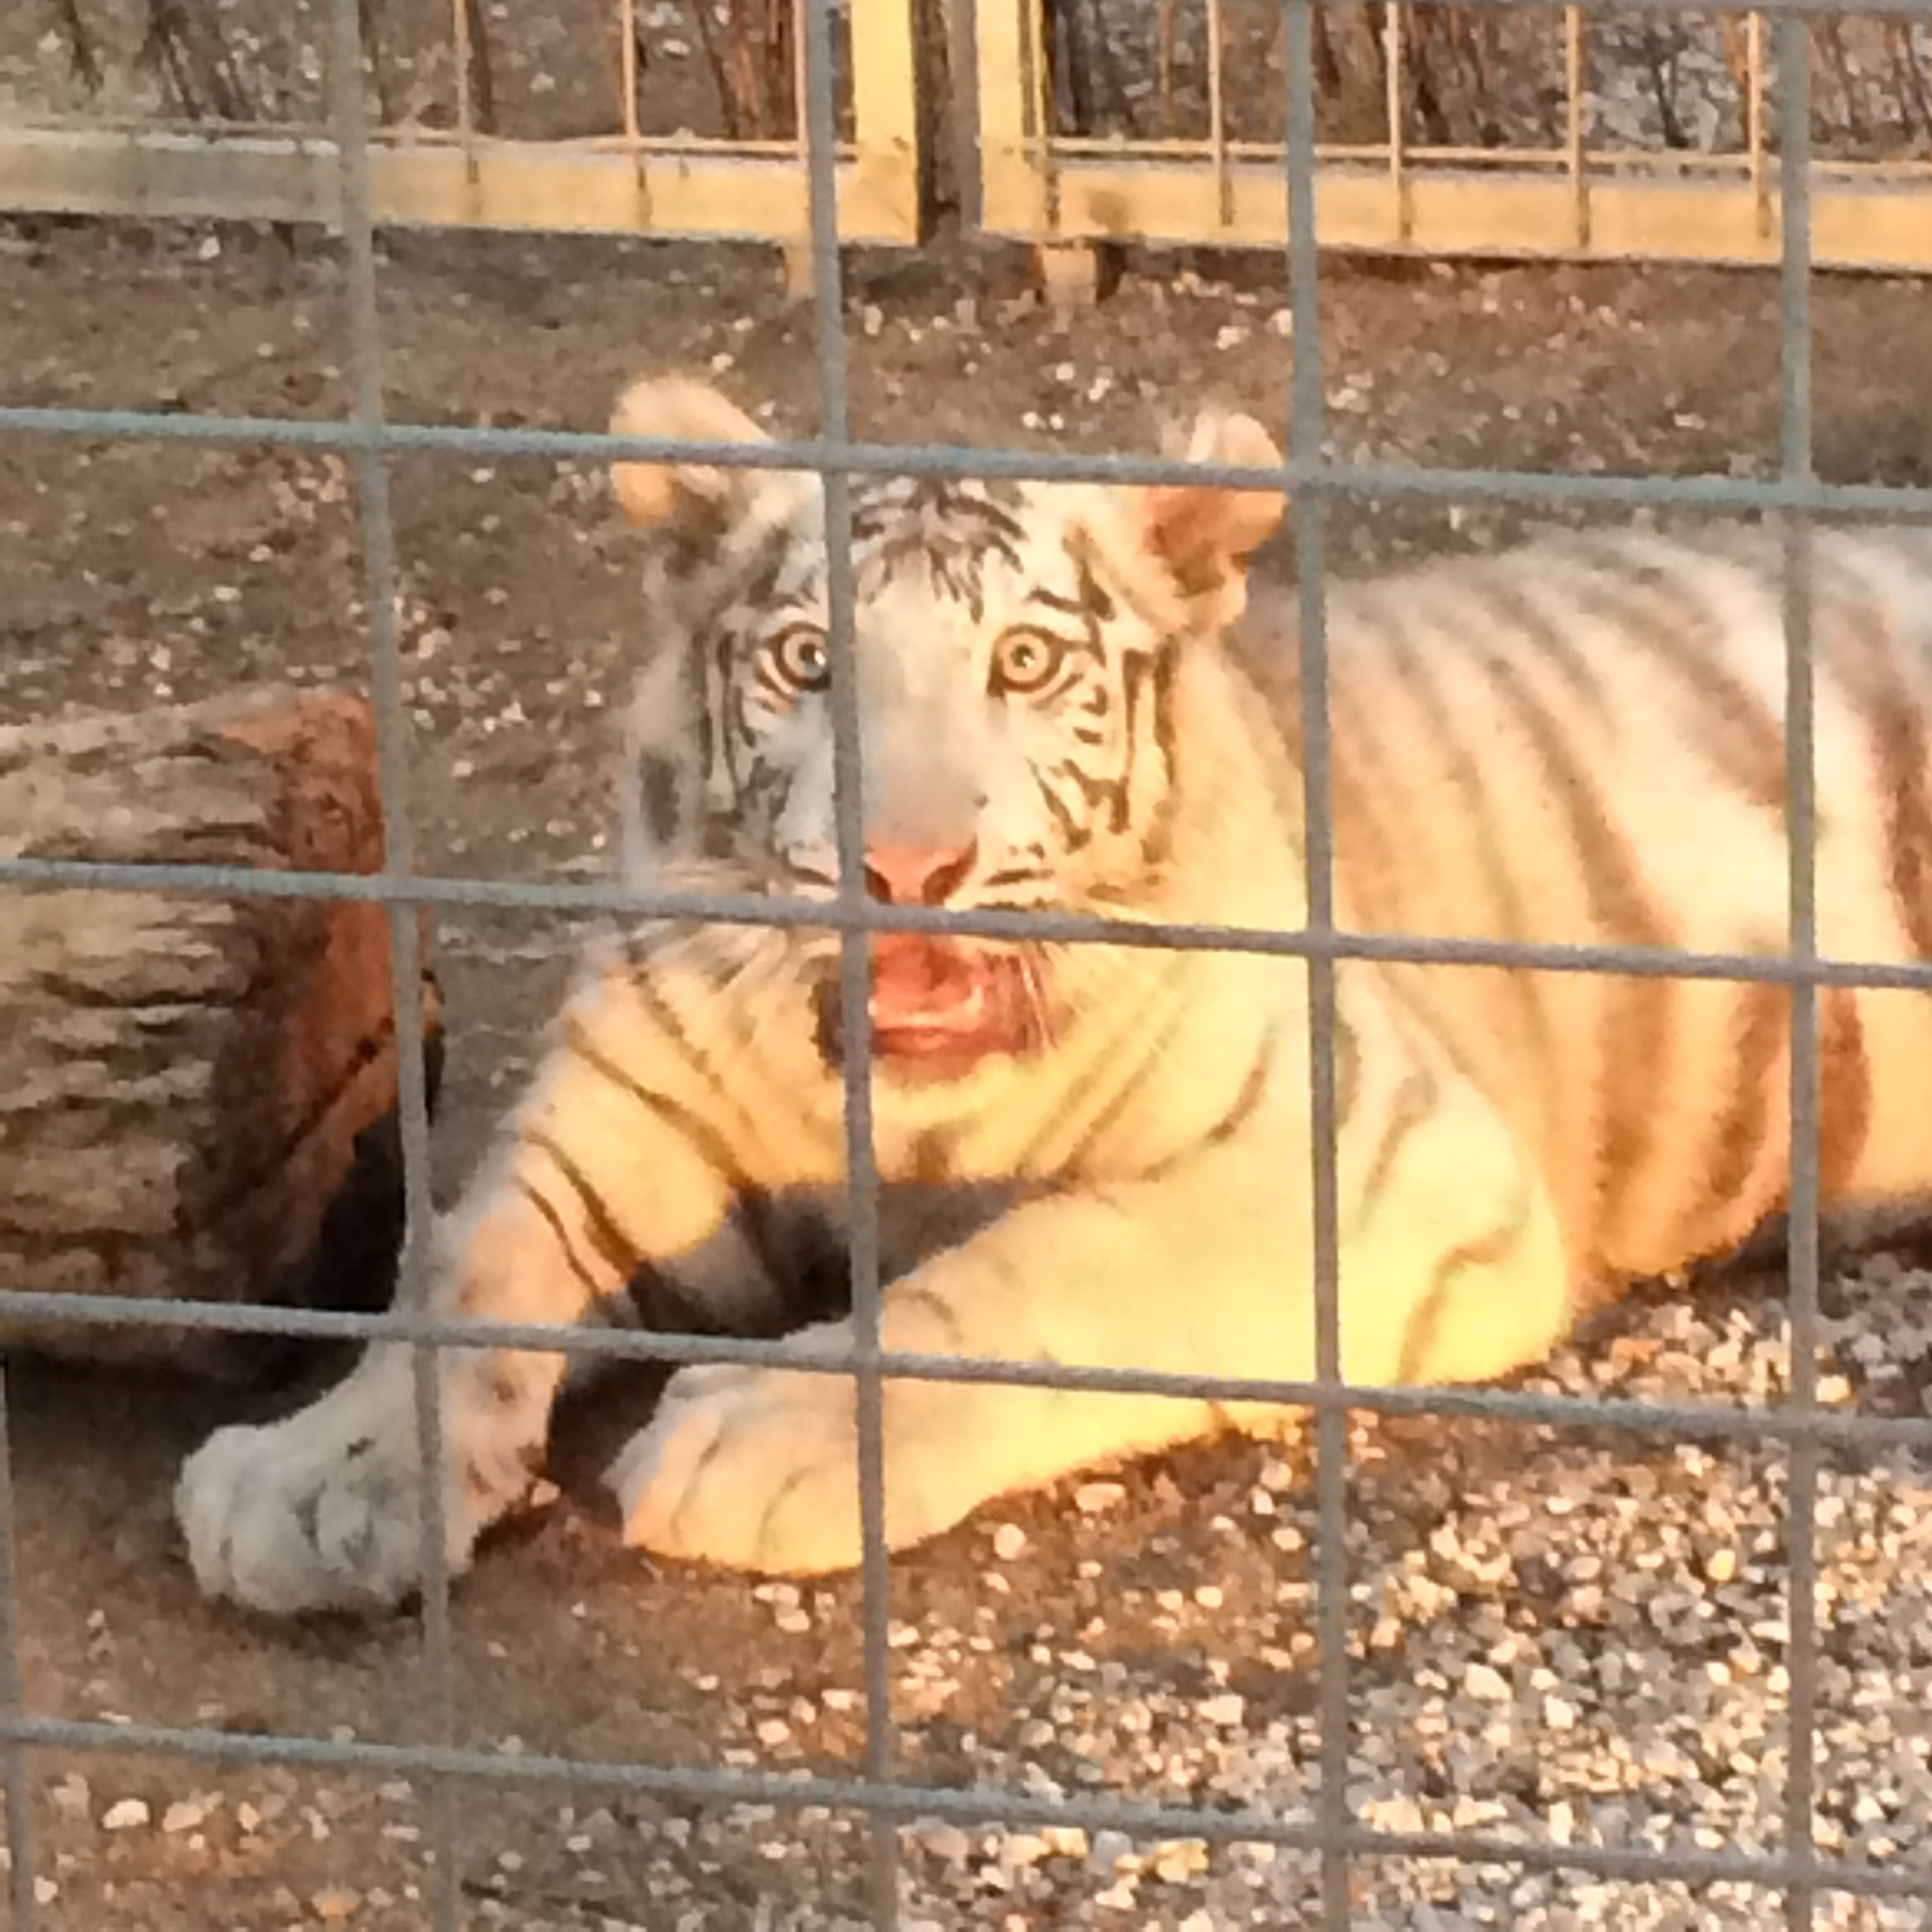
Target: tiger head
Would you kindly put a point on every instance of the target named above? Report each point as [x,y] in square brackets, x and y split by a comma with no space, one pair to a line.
[1015,650]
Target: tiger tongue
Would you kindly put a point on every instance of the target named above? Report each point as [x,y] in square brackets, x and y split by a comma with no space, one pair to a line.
[920,981]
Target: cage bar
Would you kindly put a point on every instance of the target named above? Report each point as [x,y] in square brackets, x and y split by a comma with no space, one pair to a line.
[1593,196]
[1307,419]
[1795,438]
[1394,37]
[1573,121]
[624,182]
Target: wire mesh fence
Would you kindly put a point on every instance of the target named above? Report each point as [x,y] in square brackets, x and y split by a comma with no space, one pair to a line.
[1799,1874]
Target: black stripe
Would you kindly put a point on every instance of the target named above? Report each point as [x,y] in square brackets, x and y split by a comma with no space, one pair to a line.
[1485,1251]
[614,1247]
[1844,1089]
[1367,860]
[1661,613]
[910,1290]
[699,1134]
[1506,609]
[640,981]
[658,1301]
[1110,794]
[1860,644]
[1139,1070]
[1476,810]
[1347,1071]
[1072,833]
[593,1292]
[1416,1100]
[698,1131]
[1743,1126]
[1066,606]
[1095,602]
[1148,729]
[724,713]
[1246,1103]
[663,1307]
[1634,1037]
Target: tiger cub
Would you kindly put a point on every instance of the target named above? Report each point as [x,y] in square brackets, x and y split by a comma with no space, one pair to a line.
[1578,741]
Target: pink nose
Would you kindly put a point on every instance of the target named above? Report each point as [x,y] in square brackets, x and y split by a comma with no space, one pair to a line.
[905,875]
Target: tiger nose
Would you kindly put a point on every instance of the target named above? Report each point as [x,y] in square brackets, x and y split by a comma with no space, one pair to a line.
[906,874]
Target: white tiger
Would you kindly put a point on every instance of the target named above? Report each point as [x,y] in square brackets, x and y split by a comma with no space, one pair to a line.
[1579,740]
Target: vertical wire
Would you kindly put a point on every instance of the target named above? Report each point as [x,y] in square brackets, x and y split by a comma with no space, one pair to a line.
[1574,79]
[1217,114]
[1795,461]
[465,107]
[1308,511]
[801,79]
[627,73]
[1039,85]
[292,41]
[1395,53]
[1754,119]
[855,955]
[371,471]
[19,1835]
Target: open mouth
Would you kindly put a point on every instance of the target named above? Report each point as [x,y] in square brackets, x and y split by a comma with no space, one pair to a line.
[939,1009]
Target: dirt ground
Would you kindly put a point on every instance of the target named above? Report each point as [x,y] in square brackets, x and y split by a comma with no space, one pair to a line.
[135,573]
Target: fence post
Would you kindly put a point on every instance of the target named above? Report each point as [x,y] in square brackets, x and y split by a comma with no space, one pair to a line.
[886,171]
[1017,187]
[1013,119]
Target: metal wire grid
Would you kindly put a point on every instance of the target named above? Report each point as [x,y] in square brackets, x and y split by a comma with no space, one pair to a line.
[711,146]
[1496,126]
[1335,1837]
[1549,127]
[469,128]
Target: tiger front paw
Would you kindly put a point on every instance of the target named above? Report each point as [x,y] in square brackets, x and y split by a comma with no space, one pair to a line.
[323,1511]
[752,1469]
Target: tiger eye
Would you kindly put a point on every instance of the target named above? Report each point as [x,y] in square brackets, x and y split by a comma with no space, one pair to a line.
[799,658]
[1026,661]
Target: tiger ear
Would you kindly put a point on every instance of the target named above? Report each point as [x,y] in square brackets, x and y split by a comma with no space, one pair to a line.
[651,494]
[1203,532]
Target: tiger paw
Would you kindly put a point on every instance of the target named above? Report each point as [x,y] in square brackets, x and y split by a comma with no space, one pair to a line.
[752,1469]
[323,1511]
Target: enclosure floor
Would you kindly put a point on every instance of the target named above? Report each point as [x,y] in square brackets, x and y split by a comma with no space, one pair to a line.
[1556,1634]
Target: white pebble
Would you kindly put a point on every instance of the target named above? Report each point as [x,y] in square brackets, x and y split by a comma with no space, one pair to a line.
[1483,1682]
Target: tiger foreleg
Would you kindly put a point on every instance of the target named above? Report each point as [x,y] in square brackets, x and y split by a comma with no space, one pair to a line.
[757,1468]
[1452,1268]
[593,1184]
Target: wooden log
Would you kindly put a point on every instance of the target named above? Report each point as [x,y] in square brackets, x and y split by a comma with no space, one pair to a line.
[197,1096]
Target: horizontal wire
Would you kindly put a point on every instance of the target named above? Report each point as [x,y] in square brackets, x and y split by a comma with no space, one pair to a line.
[1631,1415]
[234,881]
[912,1802]
[1712,493]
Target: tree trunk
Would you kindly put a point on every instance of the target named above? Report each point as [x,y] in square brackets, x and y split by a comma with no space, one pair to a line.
[197,1096]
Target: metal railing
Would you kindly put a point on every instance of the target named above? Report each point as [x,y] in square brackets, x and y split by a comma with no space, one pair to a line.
[604,149]
[1511,130]
[1316,479]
